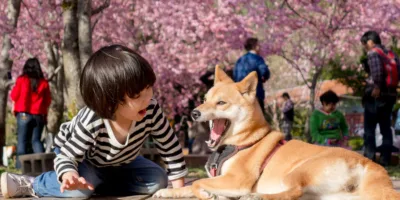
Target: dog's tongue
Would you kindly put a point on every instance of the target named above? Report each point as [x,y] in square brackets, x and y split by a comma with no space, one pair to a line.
[218,129]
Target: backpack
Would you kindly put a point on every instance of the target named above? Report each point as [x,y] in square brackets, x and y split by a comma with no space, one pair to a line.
[391,67]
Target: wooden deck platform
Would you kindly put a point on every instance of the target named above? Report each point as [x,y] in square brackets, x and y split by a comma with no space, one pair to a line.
[396,184]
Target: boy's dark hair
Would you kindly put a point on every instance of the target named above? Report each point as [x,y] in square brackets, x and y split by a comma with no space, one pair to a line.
[111,73]
[371,35]
[329,97]
[250,44]
[286,95]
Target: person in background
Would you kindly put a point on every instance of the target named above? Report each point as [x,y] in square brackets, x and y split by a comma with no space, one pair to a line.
[31,99]
[288,116]
[328,125]
[379,98]
[249,62]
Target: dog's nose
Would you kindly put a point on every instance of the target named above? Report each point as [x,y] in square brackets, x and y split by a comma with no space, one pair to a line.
[196,114]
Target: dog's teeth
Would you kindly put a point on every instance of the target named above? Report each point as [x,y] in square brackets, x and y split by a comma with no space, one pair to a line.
[208,142]
[211,124]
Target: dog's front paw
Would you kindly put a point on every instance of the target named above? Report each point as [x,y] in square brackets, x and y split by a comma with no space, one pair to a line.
[251,197]
[163,193]
[207,195]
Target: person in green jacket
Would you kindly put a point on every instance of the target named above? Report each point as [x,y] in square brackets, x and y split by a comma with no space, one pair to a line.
[328,126]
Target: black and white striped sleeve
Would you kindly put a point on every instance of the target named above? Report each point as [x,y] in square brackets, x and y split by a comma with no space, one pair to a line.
[167,145]
[74,139]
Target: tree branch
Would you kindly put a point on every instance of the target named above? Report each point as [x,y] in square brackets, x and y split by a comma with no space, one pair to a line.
[9,83]
[332,14]
[304,18]
[51,76]
[297,67]
[31,16]
[95,23]
[101,7]
[340,21]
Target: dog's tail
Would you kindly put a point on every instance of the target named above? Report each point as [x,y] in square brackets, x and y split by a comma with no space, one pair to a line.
[376,184]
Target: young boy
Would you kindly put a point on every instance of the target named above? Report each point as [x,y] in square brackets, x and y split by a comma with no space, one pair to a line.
[328,126]
[99,149]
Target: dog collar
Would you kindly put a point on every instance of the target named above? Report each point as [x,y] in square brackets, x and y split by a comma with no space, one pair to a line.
[224,152]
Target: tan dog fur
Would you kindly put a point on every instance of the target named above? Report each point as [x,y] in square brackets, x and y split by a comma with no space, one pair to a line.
[298,170]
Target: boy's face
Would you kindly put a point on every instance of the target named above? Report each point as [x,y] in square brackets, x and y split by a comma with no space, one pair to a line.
[328,107]
[135,108]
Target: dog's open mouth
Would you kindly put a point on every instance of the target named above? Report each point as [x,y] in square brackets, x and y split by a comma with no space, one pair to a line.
[218,129]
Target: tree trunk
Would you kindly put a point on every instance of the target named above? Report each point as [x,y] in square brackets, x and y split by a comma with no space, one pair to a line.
[84,30]
[13,8]
[70,51]
[312,102]
[55,115]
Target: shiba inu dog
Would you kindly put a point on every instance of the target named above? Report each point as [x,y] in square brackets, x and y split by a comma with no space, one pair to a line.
[251,161]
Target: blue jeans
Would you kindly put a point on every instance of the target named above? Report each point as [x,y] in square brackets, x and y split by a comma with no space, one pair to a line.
[29,127]
[141,176]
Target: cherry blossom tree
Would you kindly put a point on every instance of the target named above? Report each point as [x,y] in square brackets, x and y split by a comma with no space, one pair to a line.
[179,38]
[10,12]
[308,35]
[182,38]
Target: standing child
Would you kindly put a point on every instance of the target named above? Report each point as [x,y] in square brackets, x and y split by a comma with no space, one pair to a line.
[328,125]
[99,149]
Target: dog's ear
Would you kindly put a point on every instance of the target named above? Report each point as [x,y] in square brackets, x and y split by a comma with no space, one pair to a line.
[247,87]
[221,76]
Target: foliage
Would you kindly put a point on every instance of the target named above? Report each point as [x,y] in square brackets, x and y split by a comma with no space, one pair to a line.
[11,129]
[356,143]
[300,117]
[72,110]
[353,77]
[394,171]
[197,173]
[181,38]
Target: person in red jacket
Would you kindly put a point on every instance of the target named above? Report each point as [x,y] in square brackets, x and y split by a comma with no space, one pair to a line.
[31,98]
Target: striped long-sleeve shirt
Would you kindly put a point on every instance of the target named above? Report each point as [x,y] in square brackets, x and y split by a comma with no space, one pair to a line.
[89,137]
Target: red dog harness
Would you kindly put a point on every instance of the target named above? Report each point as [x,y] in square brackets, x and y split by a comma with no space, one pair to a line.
[223,153]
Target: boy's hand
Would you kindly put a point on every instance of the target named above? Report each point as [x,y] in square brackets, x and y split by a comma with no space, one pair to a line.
[72,181]
[178,183]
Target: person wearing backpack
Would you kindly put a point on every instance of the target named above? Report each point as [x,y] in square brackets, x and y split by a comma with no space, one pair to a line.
[380,96]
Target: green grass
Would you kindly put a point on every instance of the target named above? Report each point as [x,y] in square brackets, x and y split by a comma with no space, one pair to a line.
[9,169]
[197,173]
[394,171]
[356,143]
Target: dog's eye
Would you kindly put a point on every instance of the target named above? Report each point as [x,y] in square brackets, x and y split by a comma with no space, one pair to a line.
[221,103]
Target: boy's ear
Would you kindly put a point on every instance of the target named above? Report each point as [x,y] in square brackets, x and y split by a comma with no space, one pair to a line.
[247,87]
[221,76]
